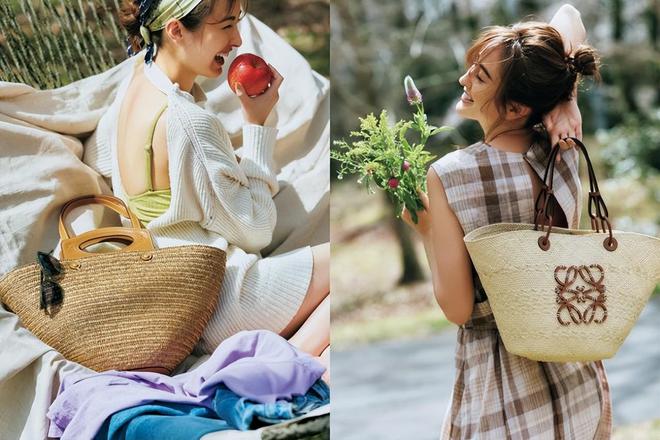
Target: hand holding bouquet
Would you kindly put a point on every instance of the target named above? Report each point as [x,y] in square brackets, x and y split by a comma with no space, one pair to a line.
[382,154]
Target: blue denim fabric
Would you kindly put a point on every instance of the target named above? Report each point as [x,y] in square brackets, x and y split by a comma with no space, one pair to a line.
[172,421]
[241,413]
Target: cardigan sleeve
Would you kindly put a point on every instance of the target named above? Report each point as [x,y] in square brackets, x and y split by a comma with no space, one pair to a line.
[236,198]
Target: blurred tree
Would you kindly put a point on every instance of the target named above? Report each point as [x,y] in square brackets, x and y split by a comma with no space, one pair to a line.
[303,23]
[412,270]
[617,20]
[633,147]
[375,44]
[370,78]
[652,20]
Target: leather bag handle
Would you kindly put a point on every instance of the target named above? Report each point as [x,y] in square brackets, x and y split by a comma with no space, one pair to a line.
[136,237]
[597,209]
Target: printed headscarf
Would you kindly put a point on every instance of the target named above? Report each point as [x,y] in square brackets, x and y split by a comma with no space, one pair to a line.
[154,15]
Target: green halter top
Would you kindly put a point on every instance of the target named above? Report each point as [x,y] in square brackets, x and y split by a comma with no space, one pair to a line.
[151,203]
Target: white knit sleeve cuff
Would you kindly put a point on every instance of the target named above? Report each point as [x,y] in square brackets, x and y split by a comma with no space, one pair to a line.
[258,144]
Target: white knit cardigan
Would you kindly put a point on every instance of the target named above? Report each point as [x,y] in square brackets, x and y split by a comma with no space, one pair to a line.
[212,193]
[219,202]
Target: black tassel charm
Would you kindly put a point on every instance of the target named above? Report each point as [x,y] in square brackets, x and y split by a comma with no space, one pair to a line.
[51,270]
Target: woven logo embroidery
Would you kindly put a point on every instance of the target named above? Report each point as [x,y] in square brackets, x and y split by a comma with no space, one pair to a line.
[580,294]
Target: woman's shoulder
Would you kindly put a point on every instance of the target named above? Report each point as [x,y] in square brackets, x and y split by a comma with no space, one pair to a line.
[191,127]
[192,115]
[461,159]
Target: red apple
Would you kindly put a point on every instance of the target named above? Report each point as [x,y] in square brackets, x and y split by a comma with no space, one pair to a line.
[252,72]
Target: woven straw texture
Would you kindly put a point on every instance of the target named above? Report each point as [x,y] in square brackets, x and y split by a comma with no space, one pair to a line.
[520,281]
[123,310]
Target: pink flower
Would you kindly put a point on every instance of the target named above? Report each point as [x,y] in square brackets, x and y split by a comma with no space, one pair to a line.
[405,166]
[412,94]
[393,182]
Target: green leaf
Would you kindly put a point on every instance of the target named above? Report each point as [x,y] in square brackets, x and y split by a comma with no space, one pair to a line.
[442,129]
[376,153]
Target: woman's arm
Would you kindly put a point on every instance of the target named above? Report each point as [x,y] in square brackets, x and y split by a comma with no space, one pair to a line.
[446,253]
[569,24]
[565,119]
[236,199]
[244,210]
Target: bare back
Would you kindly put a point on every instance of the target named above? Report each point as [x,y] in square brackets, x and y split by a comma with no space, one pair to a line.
[141,104]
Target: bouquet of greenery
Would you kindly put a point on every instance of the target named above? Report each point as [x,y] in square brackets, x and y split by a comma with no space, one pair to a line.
[381,154]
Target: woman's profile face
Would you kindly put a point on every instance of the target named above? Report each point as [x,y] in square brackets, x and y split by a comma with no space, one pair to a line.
[212,42]
[480,85]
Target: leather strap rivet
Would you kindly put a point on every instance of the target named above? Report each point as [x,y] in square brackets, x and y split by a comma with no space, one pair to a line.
[610,244]
[147,257]
[544,243]
[74,265]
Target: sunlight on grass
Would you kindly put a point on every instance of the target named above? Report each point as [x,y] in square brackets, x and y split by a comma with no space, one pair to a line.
[354,207]
[363,268]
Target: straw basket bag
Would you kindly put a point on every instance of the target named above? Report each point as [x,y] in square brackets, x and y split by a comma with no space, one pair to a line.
[564,295]
[134,309]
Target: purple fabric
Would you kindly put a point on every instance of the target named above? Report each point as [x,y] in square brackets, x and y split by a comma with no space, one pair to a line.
[259,365]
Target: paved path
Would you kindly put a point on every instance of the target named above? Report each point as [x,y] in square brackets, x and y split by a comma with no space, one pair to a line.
[400,389]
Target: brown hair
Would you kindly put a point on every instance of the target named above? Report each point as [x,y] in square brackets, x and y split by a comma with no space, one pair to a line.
[536,71]
[129,17]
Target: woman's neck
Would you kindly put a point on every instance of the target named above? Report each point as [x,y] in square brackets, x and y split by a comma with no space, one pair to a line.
[175,71]
[515,138]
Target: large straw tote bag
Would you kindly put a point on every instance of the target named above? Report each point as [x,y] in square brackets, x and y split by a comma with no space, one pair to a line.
[134,309]
[564,295]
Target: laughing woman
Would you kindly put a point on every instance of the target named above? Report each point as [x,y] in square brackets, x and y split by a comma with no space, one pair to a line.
[173,163]
[517,77]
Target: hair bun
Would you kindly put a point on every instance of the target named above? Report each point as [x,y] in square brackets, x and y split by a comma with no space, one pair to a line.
[585,60]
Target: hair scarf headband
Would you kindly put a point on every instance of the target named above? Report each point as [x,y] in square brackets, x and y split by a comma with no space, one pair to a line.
[163,11]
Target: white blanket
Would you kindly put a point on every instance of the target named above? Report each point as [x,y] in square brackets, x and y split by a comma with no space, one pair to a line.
[43,134]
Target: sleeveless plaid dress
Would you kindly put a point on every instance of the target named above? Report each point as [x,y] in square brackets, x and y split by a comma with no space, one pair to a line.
[498,395]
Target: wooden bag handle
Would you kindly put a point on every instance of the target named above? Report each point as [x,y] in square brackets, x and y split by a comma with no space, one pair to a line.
[136,237]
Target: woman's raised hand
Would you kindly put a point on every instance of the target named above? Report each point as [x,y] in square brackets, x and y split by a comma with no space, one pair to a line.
[257,109]
[423,226]
[564,121]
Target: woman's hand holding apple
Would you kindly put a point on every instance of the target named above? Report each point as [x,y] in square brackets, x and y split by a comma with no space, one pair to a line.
[249,76]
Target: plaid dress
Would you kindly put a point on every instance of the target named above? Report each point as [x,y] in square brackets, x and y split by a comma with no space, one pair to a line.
[498,395]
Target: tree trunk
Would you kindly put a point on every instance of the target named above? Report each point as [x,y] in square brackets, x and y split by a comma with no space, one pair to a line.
[617,20]
[652,15]
[412,271]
